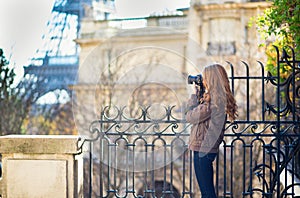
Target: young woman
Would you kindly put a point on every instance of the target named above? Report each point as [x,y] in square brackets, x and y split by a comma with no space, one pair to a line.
[208,116]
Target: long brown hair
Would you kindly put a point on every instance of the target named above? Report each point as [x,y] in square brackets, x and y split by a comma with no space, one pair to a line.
[218,88]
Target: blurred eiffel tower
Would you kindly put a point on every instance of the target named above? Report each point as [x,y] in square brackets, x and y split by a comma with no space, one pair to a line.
[57,61]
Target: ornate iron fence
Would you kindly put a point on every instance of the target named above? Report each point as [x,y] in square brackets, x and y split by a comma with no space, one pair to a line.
[146,155]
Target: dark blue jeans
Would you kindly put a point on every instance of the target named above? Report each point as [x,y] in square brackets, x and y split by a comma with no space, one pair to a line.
[204,173]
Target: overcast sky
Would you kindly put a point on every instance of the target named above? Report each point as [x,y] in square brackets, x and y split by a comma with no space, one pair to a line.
[144,7]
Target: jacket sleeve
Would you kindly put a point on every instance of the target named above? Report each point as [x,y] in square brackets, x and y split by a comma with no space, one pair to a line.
[197,113]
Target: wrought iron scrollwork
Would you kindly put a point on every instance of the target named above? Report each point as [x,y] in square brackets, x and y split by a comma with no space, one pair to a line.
[290,87]
[263,150]
[115,120]
[284,149]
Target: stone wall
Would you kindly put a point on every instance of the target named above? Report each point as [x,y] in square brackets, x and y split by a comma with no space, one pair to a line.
[40,166]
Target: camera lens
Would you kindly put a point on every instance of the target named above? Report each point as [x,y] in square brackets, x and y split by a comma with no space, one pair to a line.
[192,79]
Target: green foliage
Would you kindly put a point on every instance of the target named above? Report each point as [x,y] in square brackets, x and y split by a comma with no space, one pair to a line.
[6,76]
[15,101]
[282,20]
[7,96]
[281,23]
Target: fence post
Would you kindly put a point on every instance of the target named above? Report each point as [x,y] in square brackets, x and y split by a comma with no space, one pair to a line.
[40,166]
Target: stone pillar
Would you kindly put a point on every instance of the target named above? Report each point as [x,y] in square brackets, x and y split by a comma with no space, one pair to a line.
[35,166]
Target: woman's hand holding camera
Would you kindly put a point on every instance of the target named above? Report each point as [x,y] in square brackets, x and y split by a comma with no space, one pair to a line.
[202,97]
[205,98]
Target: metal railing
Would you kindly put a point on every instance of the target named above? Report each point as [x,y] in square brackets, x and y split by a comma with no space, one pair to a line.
[143,152]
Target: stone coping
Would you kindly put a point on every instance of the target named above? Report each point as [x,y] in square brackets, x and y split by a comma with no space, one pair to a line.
[39,144]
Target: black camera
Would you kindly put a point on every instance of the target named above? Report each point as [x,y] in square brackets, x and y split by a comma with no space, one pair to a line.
[198,80]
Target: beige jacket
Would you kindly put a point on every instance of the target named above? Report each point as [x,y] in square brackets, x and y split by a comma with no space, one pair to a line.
[206,133]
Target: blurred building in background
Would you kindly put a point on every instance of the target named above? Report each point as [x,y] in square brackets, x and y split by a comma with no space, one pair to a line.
[56,62]
[144,61]
[207,31]
[124,60]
